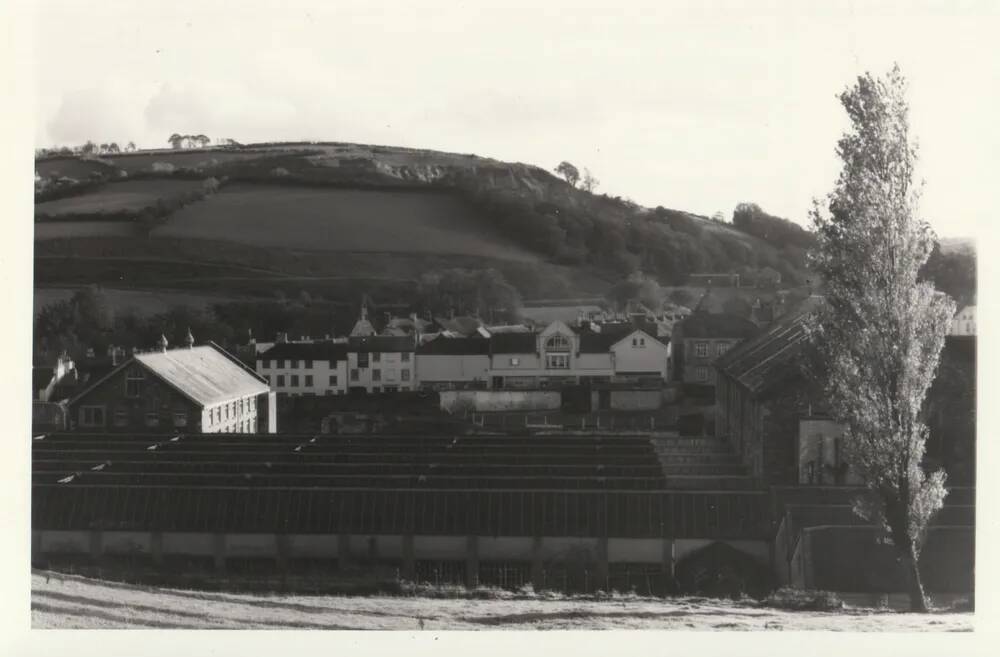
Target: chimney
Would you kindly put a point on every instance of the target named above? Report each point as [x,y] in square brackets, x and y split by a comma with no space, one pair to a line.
[189,339]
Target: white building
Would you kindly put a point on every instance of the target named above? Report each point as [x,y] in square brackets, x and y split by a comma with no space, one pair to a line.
[305,368]
[381,363]
[964,322]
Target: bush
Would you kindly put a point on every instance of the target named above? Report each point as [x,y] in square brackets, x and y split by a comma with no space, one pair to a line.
[800,600]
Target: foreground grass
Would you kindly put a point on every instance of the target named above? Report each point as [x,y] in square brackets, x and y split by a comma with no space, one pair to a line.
[68,601]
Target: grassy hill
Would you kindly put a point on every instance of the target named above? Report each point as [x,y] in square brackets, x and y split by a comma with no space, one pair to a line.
[317,216]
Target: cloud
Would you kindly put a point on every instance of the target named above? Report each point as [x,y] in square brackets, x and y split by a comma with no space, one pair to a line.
[108,112]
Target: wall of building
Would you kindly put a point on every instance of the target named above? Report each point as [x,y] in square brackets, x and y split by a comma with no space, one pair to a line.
[171,410]
[234,416]
[651,357]
[636,400]
[436,368]
[392,369]
[501,400]
[698,368]
[309,377]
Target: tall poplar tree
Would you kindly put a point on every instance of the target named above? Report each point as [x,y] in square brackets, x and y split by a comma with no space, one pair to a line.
[882,330]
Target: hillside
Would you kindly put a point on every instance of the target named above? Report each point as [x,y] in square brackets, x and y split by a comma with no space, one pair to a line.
[313,217]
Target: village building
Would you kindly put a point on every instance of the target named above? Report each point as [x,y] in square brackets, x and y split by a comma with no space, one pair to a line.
[701,338]
[191,389]
[560,355]
[449,363]
[964,322]
[305,368]
[380,363]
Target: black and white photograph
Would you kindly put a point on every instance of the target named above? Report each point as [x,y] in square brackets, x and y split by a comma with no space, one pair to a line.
[444,316]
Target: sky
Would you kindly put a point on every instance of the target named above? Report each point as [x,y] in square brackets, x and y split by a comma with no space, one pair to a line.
[693,106]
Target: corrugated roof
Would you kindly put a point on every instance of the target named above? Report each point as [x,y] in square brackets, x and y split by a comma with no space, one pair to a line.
[513,343]
[444,346]
[204,374]
[381,344]
[771,357]
[306,351]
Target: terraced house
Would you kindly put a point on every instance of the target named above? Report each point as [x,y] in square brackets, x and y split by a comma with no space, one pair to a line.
[380,363]
[194,389]
[305,368]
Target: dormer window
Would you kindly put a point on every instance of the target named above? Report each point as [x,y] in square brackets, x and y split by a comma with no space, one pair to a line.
[557,343]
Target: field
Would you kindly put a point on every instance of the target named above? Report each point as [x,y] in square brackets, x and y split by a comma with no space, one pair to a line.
[191,158]
[139,302]
[70,167]
[128,196]
[52,230]
[341,220]
[66,601]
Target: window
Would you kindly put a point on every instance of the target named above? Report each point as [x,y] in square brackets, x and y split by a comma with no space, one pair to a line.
[635,342]
[363,361]
[406,357]
[121,417]
[152,420]
[557,343]
[295,380]
[293,365]
[701,349]
[376,375]
[406,375]
[308,364]
[333,379]
[354,375]
[557,361]
[281,380]
[92,416]
[309,380]
[267,365]
[514,362]
[281,364]
[642,342]
[180,419]
[376,358]
[333,364]
[721,348]
[329,392]
[226,409]
[133,382]
[376,389]
[701,374]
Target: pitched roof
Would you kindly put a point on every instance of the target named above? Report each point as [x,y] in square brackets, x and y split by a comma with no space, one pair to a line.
[381,344]
[717,325]
[770,358]
[204,374]
[513,343]
[445,346]
[598,343]
[306,351]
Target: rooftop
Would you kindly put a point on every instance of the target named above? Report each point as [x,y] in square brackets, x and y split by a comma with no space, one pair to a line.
[717,325]
[381,344]
[772,357]
[445,346]
[204,374]
[306,351]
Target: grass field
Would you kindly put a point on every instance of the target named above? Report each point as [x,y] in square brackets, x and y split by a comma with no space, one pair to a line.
[53,230]
[132,195]
[70,167]
[66,601]
[341,220]
[191,158]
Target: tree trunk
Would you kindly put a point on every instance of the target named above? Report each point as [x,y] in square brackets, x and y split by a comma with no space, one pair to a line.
[918,599]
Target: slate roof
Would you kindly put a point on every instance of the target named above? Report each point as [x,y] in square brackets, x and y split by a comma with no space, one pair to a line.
[717,325]
[513,343]
[599,343]
[770,358]
[381,344]
[306,351]
[444,346]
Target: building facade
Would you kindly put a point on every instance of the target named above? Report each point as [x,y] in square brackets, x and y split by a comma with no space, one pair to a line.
[380,363]
[703,337]
[453,363]
[191,389]
[964,322]
[311,368]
